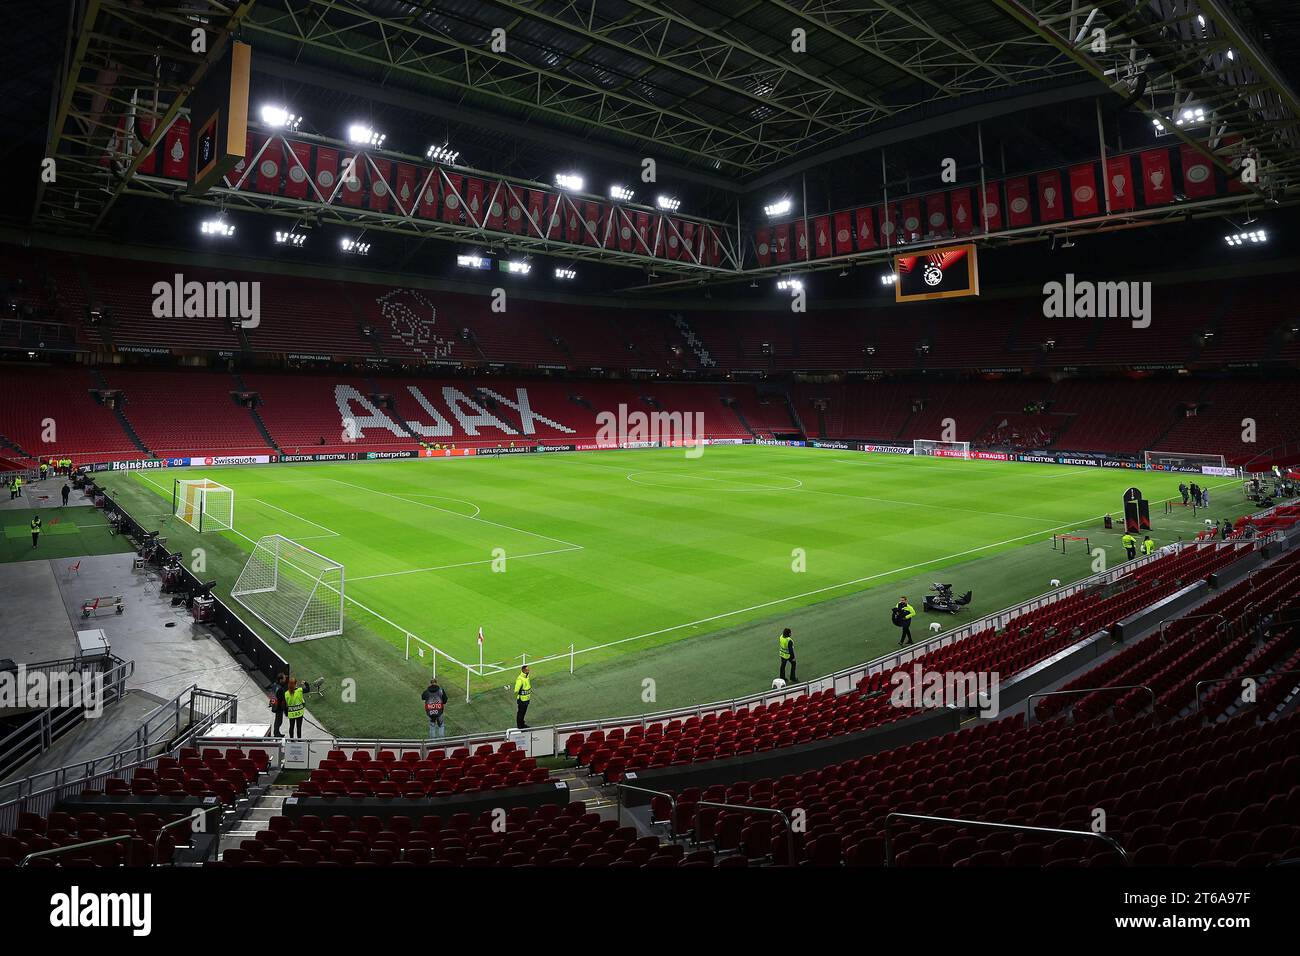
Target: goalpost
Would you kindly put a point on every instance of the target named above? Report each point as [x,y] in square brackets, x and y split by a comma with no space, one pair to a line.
[295,591]
[941,449]
[203,504]
[1186,462]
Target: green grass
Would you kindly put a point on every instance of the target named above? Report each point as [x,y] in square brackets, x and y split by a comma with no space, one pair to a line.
[68,533]
[669,576]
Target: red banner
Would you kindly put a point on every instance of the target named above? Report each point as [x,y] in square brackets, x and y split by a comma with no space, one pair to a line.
[1019,209]
[514,207]
[327,171]
[379,174]
[1157,178]
[866,228]
[888,229]
[451,187]
[936,214]
[644,235]
[963,213]
[843,232]
[689,242]
[801,251]
[781,237]
[991,215]
[176,146]
[535,223]
[1051,201]
[763,245]
[495,202]
[405,188]
[297,162]
[1083,189]
[1119,183]
[474,196]
[911,220]
[1198,174]
[428,186]
[269,167]
[822,244]
[351,171]
[592,218]
[624,229]
[712,246]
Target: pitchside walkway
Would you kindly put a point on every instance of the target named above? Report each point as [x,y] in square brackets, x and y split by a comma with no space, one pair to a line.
[40,614]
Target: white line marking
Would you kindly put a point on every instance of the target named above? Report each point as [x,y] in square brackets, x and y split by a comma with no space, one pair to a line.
[299,517]
[831,587]
[462,564]
[546,537]
[743,487]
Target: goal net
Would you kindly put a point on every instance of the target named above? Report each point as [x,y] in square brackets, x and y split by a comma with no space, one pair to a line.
[1186,462]
[203,504]
[941,449]
[293,590]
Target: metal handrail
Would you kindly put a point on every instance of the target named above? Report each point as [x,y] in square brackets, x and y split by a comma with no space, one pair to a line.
[1018,827]
[1029,701]
[188,819]
[672,804]
[789,828]
[1187,617]
[39,854]
[1228,680]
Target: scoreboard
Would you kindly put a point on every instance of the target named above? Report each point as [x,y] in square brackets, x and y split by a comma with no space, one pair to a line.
[219,119]
[945,273]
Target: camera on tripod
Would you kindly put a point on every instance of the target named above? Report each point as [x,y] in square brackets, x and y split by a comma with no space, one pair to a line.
[942,600]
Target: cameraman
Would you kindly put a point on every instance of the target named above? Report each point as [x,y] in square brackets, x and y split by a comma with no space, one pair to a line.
[902,615]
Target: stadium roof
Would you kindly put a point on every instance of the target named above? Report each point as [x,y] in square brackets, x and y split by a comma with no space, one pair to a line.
[734,98]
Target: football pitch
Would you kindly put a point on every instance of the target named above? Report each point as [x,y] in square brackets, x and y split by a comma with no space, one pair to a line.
[662,579]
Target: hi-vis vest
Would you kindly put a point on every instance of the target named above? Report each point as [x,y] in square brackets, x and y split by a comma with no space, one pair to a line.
[294,707]
[1129,541]
[785,643]
[36,526]
[1148,546]
[523,687]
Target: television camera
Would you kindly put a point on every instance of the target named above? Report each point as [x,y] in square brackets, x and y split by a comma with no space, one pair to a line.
[942,600]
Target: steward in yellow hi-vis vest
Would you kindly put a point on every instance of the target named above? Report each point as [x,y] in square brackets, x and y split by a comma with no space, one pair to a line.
[1130,545]
[523,694]
[1147,544]
[294,708]
[36,530]
[785,645]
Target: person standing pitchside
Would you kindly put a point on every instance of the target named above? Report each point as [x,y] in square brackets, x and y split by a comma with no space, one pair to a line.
[523,694]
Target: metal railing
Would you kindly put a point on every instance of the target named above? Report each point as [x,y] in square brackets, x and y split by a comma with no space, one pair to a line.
[1016,827]
[40,793]
[192,711]
[188,820]
[672,804]
[780,814]
[1029,701]
[1228,680]
[38,734]
[1189,617]
[72,847]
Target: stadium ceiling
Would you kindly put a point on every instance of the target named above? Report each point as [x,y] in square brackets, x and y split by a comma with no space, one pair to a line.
[721,89]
